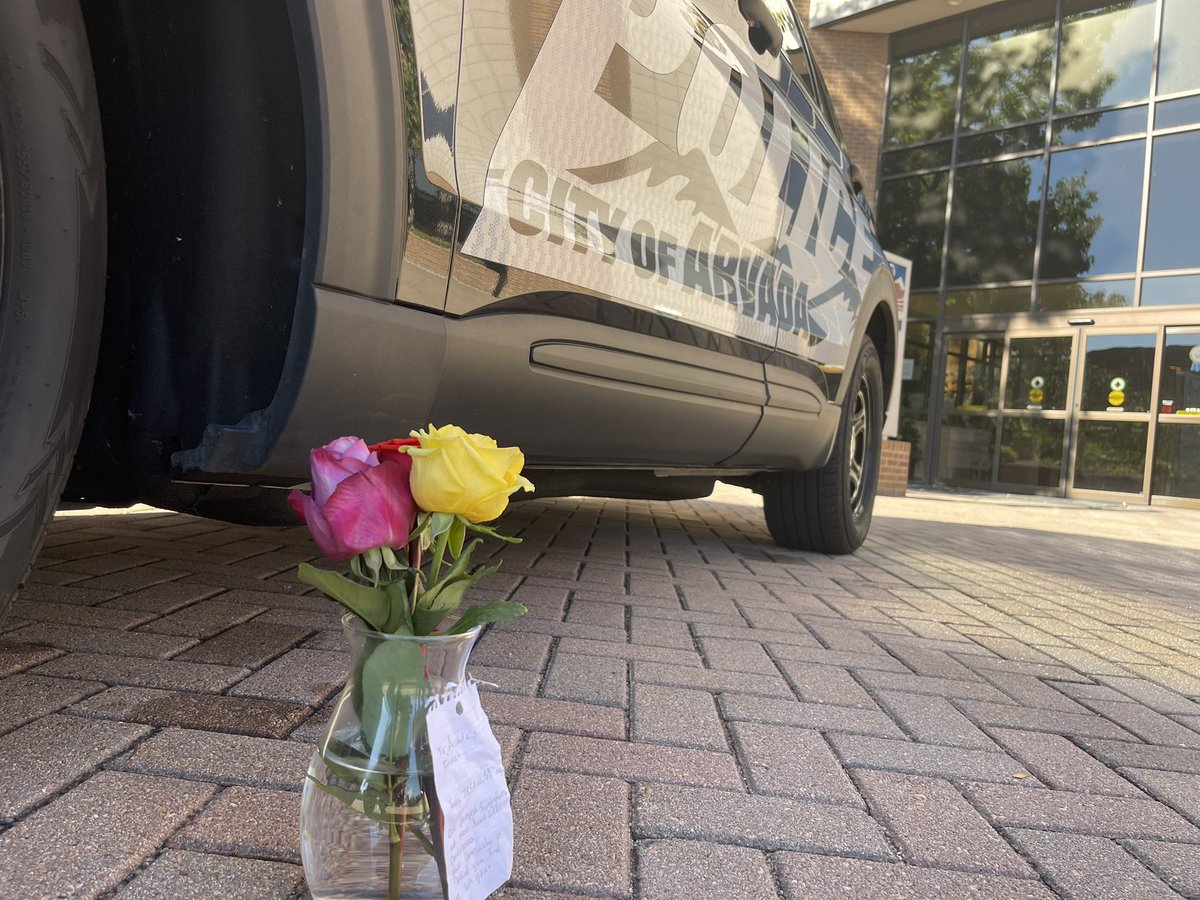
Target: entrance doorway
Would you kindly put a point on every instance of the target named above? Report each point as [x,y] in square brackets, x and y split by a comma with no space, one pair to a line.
[1071,411]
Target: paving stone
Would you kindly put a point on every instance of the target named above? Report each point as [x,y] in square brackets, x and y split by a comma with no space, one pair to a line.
[323,619]
[1176,864]
[542,714]
[1004,715]
[955,763]
[512,649]
[103,640]
[77,596]
[184,875]
[506,681]
[671,869]
[752,820]
[71,614]
[797,637]
[299,676]
[555,628]
[737,656]
[24,698]
[791,762]
[666,715]
[933,720]
[708,680]
[635,762]
[206,712]
[133,579]
[587,679]
[1150,694]
[933,825]
[658,632]
[162,599]
[939,687]
[1083,867]
[825,684]
[19,657]
[606,615]
[1150,726]
[571,832]
[1029,691]
[204,619]
[221,758]
[40,758]
[1059,764]
[822,717]
[1036,668]
[1114,817]
[1178,789]
[90,839]
[160,673]
[252,645]
[804,876]
[245,821]
[1121,753]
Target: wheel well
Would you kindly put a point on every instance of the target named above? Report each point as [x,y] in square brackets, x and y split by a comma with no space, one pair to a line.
[881,329]
[204,136]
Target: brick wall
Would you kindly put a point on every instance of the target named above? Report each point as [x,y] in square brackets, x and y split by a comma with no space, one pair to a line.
[854,65]
[893,468]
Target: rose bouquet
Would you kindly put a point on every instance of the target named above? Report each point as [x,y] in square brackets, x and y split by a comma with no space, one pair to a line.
[400,513]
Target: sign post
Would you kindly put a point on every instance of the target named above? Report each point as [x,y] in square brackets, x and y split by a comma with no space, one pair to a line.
[902,272]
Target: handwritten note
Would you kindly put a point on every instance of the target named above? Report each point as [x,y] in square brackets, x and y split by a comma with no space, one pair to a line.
[469,776]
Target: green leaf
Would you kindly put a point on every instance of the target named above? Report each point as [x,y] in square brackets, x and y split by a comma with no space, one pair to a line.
[439,523]
[368,603]
[492,532]
[390,560]
[394,691]
[495,611]
[458,535]
[400,619]
[449,597]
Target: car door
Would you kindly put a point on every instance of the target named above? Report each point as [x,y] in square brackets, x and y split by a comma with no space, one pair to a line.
[621,173]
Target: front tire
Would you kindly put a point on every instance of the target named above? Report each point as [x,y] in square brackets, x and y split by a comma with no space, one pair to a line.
[52,255]
[829,509]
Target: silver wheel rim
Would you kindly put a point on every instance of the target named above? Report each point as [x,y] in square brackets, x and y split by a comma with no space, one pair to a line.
[859,449]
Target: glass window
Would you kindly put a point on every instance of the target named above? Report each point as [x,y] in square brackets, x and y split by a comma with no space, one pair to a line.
[1099,126]
[924,88]
[999,143]
[1118,372]
[1111,456]
[973,373]
[782,11]
[1177,461]
[928,156]
[1008,64]
[1177,290]
[994,221]
[912,223]
[1174,199]
[1031,452]
[923,303]
[1093,209]
[914,393]
[967,445]
[1179,390]
[1172,113]
[1086,295]
[1179,58]
[987,300]
[1039,371]
[1106,55]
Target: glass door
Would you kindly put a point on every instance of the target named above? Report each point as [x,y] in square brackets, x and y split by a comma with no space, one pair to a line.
[970,421]
[1113,407]
[1034,426]
[1176,467]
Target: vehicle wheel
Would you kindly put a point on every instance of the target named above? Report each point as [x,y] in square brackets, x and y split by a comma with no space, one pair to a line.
[52,255]
[829,509]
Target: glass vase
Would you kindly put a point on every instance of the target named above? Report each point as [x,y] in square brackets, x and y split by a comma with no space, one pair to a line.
[370,822]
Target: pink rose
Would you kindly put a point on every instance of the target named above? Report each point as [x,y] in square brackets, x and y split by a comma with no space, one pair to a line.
[360,499]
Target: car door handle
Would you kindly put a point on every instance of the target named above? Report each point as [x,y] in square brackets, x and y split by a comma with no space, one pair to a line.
[765,34]
[856,180]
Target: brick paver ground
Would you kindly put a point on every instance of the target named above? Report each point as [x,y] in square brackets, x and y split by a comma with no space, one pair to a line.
[991,699]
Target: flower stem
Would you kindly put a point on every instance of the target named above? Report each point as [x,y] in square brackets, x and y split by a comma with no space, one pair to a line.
[395,850]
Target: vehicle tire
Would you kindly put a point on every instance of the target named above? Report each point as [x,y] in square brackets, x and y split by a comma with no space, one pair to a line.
[52,258]
[829,509]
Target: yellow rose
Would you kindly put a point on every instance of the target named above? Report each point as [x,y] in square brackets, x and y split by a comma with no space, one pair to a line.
[464,474]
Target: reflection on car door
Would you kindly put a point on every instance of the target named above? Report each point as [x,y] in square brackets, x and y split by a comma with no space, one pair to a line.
[623,184]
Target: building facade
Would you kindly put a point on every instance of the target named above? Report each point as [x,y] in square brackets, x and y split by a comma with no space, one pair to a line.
[1039,161]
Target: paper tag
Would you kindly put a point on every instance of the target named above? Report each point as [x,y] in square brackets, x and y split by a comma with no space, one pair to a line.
[469,776]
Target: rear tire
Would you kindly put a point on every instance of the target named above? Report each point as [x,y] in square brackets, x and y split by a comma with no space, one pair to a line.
[829,509]
[52,255]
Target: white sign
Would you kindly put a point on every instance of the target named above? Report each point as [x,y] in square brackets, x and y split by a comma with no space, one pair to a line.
[469,775]
[902,272]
